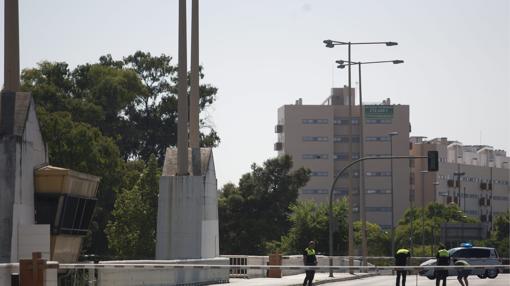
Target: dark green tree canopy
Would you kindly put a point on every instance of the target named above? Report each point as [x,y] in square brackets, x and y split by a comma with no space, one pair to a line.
[257,211]
[107,119]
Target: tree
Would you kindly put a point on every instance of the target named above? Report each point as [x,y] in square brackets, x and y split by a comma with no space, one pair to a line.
[310,221]
[434,215]
[155,108]
[132,230]
[101,118]
[83,148]
[378,240]
[257,211]
[500,235]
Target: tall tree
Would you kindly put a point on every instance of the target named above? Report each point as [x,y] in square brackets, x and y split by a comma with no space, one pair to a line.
[257,211]
[100,117]
[434,214]
[310,221]
[132,230]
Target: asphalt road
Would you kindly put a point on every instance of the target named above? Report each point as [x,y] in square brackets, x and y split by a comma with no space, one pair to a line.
[384,280]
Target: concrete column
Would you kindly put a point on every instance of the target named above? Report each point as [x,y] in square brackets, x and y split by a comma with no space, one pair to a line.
[194,129]
[182,104]
[194,100]
[11,46]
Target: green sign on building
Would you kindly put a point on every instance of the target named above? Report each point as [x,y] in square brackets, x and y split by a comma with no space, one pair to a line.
[379,111]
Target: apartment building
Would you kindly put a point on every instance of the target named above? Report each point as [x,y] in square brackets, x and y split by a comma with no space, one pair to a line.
[476,177]
[317,137]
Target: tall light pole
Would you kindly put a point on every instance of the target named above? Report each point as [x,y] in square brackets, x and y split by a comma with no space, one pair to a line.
[436,183]
[423,173]
[391,134]
[331,44]
[341,65]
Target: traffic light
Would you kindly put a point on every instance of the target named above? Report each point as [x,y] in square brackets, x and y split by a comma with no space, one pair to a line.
[432,161]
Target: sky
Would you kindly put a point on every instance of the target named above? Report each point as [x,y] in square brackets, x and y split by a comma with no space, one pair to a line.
[262,54]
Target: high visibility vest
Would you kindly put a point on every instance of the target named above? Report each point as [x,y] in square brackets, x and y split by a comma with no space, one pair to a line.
[310,251]
[443,253]
[402,251]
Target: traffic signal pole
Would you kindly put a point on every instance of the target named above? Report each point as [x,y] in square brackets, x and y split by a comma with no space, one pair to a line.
[433,165]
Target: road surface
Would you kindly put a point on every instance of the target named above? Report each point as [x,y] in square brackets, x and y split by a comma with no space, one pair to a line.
[386,280]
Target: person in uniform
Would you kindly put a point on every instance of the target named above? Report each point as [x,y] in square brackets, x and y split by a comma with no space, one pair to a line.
[443,259]
[309,259]
[401,258]
[462,274]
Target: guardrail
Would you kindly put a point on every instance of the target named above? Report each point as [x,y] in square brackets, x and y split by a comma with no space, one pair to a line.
[207,266]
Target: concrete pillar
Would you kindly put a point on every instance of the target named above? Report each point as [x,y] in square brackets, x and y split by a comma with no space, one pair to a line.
[194,132]
[11,46]
[182,104]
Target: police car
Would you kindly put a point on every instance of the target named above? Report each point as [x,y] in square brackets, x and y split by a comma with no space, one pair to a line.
[473,255]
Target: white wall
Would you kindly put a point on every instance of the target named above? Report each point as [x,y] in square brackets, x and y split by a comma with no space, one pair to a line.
[160,277]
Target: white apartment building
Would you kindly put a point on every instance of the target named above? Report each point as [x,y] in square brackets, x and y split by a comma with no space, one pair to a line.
[317,137]
[476,177]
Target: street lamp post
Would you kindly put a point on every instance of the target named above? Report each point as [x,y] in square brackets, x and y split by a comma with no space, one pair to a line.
[423,173]
[362,198]
[331,44]
[391,134]
[433,219]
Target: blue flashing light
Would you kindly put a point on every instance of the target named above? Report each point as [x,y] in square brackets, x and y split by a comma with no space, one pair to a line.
[466,245]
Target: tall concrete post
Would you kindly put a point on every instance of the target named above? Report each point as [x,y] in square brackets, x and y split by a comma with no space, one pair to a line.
[194,129]
[11,46]
[182,103]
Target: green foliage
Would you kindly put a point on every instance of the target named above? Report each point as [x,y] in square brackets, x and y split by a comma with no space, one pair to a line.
[132,231]
[500,235]
[83,148]
[256,212]
[310,221]
[426,223]
[378,240]
[106,119]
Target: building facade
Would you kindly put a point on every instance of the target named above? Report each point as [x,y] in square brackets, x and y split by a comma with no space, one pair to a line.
[317,137]
[476,177]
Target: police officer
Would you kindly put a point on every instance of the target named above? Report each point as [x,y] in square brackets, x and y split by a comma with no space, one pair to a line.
[443,259]
[462,274]
[401,258]
[309,259]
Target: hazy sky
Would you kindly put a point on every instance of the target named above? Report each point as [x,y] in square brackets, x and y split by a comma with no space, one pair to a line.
[262,54]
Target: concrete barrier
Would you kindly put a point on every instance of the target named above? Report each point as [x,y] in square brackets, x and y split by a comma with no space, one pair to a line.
[164,276]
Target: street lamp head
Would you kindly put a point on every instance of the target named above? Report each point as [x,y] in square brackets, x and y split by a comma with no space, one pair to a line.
[391,44]
[341,66]
[329,43]
[396,62]
[340,62]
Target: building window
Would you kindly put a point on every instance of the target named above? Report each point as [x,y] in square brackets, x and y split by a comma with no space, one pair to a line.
[378,191]
[315,121]
[345,121]
[314,191]
[341,191]
[319,174]
[378,121]
[315,138]
[341,156]
[315,156]
[378,155]
[379,174]
[341,139]
[377,138]
[355,139]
